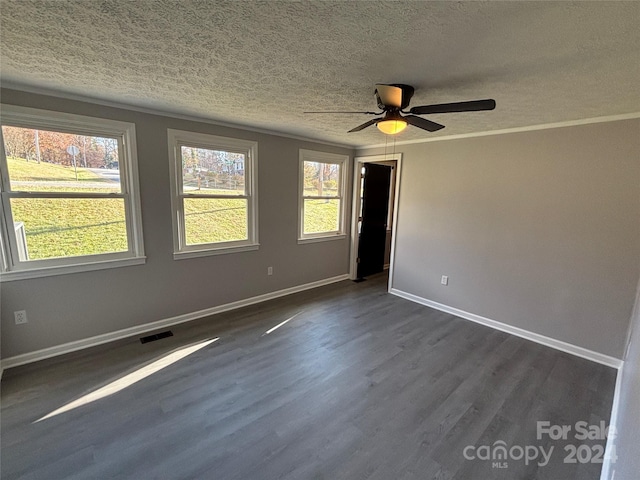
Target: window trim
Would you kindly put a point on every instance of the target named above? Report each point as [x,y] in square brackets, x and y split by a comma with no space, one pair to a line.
[177,139]
[322,157]
[10,266]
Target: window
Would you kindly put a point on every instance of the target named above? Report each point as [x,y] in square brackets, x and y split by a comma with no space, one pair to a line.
[69,194]
[213,194]
[321,196]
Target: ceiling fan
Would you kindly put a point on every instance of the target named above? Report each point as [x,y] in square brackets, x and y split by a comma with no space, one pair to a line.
[393,99]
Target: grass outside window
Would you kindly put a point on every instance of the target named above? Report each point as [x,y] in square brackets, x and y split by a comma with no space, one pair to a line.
[69,194]
[321,195]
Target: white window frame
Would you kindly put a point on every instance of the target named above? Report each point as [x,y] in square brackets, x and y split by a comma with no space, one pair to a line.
[322,157]
[14,269]
[179,138]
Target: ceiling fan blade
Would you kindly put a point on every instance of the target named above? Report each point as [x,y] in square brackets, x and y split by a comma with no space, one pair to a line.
[367,113]
[423,123]
[390,95]
[365,125]
[472,106]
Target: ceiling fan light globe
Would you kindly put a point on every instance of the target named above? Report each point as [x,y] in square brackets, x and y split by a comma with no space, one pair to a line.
[391,127]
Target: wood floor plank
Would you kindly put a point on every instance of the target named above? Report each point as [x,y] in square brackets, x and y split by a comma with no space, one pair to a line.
[356,384]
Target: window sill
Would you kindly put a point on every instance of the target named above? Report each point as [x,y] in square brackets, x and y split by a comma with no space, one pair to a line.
[324,238]
[66,269]
[214,251]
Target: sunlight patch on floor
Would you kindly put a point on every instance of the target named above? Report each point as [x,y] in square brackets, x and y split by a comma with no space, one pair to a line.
[130,379]
[280,324]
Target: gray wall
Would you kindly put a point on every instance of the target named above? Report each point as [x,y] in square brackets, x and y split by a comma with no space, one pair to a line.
[628,422]
[76,306]
[537,229]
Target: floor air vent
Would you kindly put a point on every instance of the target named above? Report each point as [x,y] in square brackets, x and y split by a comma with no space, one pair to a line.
[157,336]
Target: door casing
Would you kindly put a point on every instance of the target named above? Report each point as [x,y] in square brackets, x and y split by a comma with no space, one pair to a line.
[355,209]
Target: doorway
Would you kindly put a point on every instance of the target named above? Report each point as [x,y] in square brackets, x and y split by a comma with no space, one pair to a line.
[376,181]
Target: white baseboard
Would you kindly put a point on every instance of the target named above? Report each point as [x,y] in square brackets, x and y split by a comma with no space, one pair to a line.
[147,327]
[519,332]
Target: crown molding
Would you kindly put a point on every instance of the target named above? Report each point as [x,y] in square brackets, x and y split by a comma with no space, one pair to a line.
[530,128]
[163,113]
[195,118]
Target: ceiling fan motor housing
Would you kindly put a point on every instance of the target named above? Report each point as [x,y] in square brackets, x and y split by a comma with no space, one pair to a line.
[407,93]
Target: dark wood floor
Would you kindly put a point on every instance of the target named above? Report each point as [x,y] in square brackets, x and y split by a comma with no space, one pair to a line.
[358,385]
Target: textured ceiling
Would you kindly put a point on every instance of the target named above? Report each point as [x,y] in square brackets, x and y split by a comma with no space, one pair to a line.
[261,64]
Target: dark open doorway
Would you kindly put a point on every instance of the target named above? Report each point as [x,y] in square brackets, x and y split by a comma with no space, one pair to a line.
[374,204]
[376,186]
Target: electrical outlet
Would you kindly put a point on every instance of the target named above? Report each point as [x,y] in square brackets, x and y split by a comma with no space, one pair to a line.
[444,280]
[21,316]
[269,270]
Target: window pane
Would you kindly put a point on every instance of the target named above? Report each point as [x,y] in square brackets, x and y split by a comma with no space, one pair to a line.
[321,216]
[212,171]
[64,227]
[321,179]
[215,220]
[48,161]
